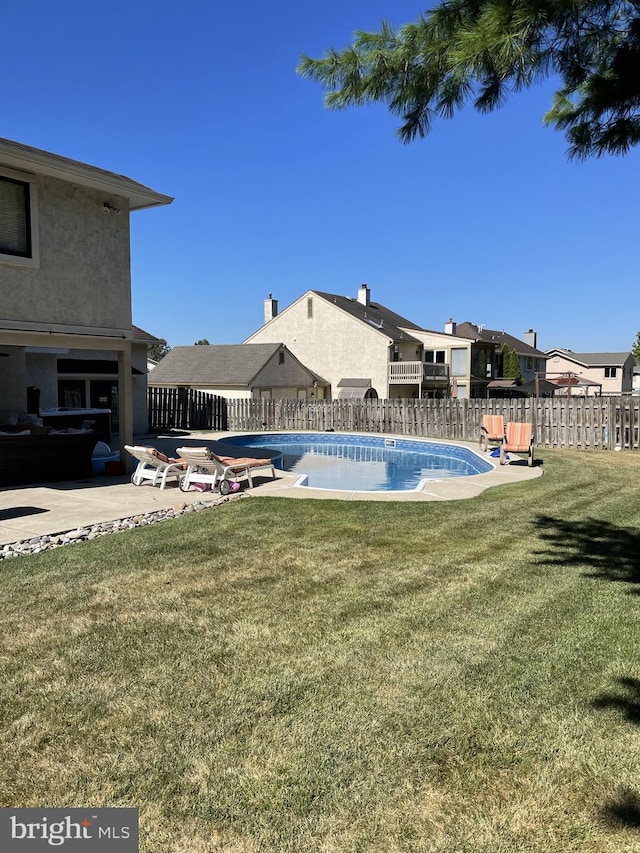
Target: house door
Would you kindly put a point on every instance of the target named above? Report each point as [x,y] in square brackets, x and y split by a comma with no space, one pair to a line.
[71,394]
[104,395]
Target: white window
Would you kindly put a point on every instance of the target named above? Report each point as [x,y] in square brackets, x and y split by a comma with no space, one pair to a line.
[458,362]
[18,221]
[610,372]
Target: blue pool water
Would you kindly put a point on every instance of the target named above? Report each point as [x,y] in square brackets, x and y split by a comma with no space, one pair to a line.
[363,463]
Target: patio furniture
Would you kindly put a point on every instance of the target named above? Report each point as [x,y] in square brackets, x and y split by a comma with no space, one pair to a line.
[491,430]
[206,467]
[518,439]
[154,466]
[27,458]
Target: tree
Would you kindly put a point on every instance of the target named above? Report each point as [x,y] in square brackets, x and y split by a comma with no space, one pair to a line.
[158,349]
[482,51]
[635,349]
[202,343]
[510,363]
[514,366]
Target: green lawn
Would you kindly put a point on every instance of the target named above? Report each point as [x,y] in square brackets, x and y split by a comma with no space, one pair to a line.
[283,675]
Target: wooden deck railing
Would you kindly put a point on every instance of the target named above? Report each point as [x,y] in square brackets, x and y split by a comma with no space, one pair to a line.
[406,372]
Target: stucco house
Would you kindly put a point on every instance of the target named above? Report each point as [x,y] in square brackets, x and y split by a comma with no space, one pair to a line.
[65,277]
[238,371]
[87,378]
[591,373]
[364,349]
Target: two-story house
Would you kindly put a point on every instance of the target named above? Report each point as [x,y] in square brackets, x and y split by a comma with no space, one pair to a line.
[487,355]
[608,373]
[364,349]
[64,273]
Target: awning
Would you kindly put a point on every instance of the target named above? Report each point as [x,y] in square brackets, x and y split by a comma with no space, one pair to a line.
[541,387]
[572,380]
[356,389]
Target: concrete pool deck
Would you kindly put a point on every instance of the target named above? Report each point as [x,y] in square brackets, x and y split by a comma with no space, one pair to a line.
[48,509]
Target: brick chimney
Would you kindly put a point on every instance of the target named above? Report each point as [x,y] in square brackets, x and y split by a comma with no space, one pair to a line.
[450,327]
[364,295]
[270,308]
[530,338]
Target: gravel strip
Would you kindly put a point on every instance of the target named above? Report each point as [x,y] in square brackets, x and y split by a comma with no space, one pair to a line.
[38,544]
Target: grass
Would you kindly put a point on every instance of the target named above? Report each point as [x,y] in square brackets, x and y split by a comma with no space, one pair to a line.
[282,675]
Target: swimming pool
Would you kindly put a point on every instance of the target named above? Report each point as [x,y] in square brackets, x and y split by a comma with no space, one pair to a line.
[363,463]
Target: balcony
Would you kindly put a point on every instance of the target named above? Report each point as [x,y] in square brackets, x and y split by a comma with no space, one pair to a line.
[408,372]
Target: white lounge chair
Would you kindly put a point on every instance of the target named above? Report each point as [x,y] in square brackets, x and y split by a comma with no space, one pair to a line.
[154,466]
[207,467]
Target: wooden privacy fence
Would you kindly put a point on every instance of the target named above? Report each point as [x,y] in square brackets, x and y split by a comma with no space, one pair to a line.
[592,423]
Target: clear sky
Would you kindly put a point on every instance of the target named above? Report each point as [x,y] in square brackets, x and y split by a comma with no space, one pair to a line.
[486,220]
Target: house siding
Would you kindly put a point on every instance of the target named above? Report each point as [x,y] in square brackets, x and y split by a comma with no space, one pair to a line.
[83,278]
[621,384]
[286,377]
[330,342]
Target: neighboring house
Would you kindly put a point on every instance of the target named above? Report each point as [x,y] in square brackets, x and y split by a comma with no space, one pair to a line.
[364,349]
[487,357]
[258,371]
[65,274]
[589,373]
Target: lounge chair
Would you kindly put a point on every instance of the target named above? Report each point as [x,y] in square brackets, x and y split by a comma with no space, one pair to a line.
[154,466]
[207,467]
[491,429]
[518,439]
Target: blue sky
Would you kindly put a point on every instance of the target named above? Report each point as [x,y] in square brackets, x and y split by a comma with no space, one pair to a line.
[486,220]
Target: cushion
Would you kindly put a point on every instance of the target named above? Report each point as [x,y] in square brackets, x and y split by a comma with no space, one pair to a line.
[21,432]
[9,418]
[74,431]
[163,458]
[34,429]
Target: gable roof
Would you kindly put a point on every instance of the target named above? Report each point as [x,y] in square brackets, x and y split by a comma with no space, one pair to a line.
[140,335]
[19,156]
[375,315]
[380,318]
[498,339]
[222,364]
[591,359]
